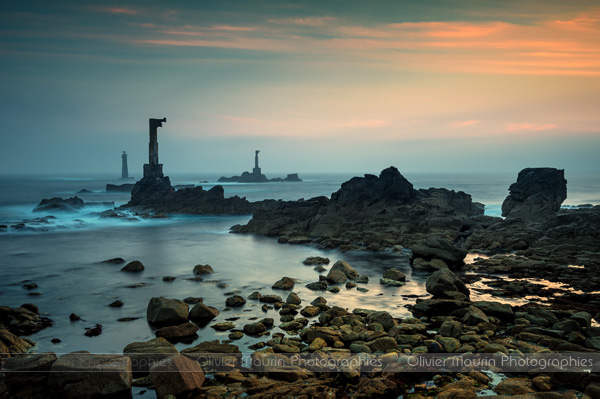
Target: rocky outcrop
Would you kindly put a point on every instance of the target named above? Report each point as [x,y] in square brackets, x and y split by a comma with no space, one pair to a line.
[156,194]
[72,204]
[23,320]
[371,211]
[248,177]
[537,194]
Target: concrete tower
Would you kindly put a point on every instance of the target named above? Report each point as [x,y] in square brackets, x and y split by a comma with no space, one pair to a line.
[153,168]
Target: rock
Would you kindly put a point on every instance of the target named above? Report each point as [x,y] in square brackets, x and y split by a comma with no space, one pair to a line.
[437,307]
[286,283]
[358,347]
[328,334]
[203,313]
[167,312]
[503,311]
[345,268]
[317,344]
[383,318]
[93,331]
[449,344]
[567,326]
[382,344]
[116,304]
[83,375]
[320,269]
[493,348]
[114,261]
[315,261]
[268,322]
[281,348]
[293,298]
[235,301]
[542,383]
[72,204]
[22,320]
[442,282]
[439,248]
[336,277]
[391,283]
[122,188]
[474,316]
[451,328]
[211,347]
[394,274]
[537,194]
[235,335]
[177,333]
[433,264]
[254,295]
[593,343]
[222,284]
[310,311]
[350,285]
[178,376]
[203,269]
[144,354]
[583,318]
[168,279]
[223,326]
[270,298]
[133,267]
[317,286]
[74,317]
[192,300]
[254,329]
[514,386]
[26,376]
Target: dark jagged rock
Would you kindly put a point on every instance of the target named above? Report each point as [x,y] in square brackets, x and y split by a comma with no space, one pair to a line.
[22,320]
[371,211]
[156,194]
[445,284]
[537,194]
[438,248]
[245,177]
[58,204]
[120,188]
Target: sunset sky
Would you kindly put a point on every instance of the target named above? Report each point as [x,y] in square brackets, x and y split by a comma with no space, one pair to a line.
[331,86]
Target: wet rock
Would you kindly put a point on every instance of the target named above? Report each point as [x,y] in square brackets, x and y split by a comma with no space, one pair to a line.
[202,313]
[293,298]
[493,348]
[317,344]
[168,279]
[443,282]
[254,295]
[350,285]
[30,286]
[26,376]
[254,329]
[433,264]
[270,298]
[537,194]
[382,344]
[383,318]
[345,268]
[177,376]
[85,376]
[177,333]
[93,331]
[235,301]
[514,386]
[114,261]
[391,283]
[72,204]
[320,302]
[394,274]
[11,344]
[542,383]
[449,344]
[310,311]
[315,261]
[583,318]
[474,316]
[116,304]
[317,286]
[211,347]
[167,312]
[203,269]
[223,326]
[74,317]
[133,267]
[144,354]
[325,333]
[320,269]
[235,335]
[336,277]
[22,320]
[281,348]
[503,311]
[437,307]
[451,328]
[362,279]
[439,248]
[285,283]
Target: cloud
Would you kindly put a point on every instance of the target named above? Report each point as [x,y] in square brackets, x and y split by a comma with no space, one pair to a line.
[114,10]
[531,127]
[309,21]
[459,124]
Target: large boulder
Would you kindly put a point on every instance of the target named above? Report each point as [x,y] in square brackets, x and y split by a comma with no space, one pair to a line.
[345,268]
[389,185]
[439,248]
[203,313]
[82,375]
[167,312]
[178,376]
[23,320]
[146,353]
[444,283]
[11,344]
[26,376]
[537,194]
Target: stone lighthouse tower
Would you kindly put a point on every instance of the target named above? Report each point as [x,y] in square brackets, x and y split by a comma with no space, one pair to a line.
[124,169]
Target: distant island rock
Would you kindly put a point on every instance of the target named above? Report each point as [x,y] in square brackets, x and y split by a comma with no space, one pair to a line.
[120,188]
[257,177]
[73,204]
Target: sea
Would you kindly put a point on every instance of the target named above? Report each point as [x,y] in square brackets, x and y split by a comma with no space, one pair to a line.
[63,255]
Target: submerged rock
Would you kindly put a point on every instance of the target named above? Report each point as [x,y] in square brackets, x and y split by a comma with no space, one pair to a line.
[133,267]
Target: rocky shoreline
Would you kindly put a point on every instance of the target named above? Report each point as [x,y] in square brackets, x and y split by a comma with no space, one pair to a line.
[543,256]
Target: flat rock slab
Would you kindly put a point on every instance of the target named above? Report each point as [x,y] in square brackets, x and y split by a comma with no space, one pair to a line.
[82,375]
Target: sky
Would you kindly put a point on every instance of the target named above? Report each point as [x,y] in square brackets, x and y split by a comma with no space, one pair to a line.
[317,86]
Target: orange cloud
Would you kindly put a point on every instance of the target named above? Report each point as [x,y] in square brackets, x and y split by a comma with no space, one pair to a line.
[119,10]
[531,127]
[459,124]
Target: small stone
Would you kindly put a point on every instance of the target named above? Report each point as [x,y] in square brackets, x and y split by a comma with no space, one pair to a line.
[203,269]
[254,295]
[350,285]
[223,326]
[286,283]
[93,331]
[116,304]
[320,269]
[235,301]
[391,283]
[293,299]
[335,290]
[316,260]
[168,279]
[362,279]
[362,289]
[55,341]
[133,267]
[222,285]
[236,335]
[74,317]
[394,274]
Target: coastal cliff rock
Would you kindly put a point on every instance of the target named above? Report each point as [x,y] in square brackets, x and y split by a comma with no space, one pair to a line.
[370,211]
[156,194]
[537,194]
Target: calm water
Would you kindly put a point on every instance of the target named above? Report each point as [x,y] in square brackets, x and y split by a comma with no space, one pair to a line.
[63,257]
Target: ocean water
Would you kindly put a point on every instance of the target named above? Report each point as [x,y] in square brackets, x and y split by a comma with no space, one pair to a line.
[62,255]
